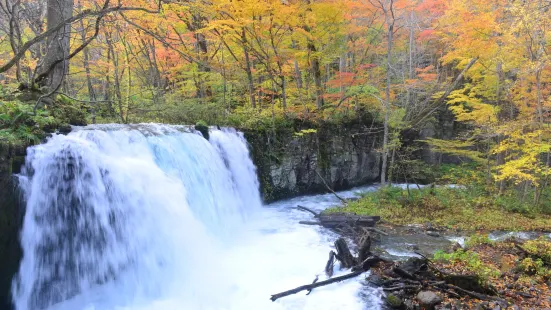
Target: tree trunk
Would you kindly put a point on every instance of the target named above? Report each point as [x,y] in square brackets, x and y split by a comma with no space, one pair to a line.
[248,70]
[283,92]
[387,98]
[317,75]
[54,66]
[86,64]
[298,75]
[116,78]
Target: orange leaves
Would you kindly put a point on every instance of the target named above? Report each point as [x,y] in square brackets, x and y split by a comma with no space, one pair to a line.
[427,34]
[344,79]
[426,74]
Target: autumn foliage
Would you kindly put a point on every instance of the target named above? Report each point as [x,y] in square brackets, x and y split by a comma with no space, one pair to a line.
[236,62]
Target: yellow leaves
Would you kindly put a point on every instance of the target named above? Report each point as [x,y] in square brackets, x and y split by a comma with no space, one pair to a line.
[523,151]
[470,108]
[457,148]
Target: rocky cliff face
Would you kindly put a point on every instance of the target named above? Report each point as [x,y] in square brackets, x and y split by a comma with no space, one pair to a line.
[291,163]
[11,215]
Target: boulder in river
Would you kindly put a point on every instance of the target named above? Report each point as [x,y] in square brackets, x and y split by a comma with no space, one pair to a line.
[428,299]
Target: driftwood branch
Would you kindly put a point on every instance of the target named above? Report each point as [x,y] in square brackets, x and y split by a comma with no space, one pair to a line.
[330,189]
[365,248]
[330,264]
[308,210]
[314,285]
[310,290]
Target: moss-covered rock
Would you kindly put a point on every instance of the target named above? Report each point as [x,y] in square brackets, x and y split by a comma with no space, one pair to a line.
[394,302]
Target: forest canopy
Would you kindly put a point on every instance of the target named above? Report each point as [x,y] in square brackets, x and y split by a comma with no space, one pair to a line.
[251,62]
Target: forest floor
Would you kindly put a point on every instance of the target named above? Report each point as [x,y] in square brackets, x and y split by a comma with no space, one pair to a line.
[484,274]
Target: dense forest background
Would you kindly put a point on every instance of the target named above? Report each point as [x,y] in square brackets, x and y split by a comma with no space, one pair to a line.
[258,64]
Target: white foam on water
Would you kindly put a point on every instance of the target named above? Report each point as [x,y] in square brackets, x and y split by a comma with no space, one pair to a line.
[153,217]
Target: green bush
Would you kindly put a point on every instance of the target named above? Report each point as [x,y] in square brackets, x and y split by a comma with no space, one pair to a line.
[19,125]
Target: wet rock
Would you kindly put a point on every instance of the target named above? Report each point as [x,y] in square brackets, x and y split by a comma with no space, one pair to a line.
[203,129]
[394,302]
[375,280]
[432,233]
[64,129]
[454,247]
[428,299]
[413,264]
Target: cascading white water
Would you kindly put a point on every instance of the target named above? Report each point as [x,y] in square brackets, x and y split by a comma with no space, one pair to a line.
[157,217]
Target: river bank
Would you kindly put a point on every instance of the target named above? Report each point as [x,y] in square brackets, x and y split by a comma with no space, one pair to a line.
[507,268]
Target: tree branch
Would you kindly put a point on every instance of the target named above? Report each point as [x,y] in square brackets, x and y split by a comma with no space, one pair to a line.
[21,52]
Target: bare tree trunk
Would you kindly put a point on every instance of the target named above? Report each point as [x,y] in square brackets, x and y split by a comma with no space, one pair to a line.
[298,74]
[116,78]
[283,92]
[317,75]
[248,70]
[539,94]
[86,64]
[57,44]
[390,23]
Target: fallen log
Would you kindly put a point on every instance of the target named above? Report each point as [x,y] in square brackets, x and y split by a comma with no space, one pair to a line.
[334,220]
[314,285]
[475,294]
[313,223]
[366,264]
[375,230]
[343,254]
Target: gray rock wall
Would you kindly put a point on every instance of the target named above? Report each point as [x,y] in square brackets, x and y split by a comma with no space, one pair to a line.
[289,164]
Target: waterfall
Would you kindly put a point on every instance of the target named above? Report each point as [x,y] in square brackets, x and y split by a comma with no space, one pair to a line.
[114,212]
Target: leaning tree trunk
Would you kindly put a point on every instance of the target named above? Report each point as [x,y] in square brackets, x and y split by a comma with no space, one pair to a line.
[55,65]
